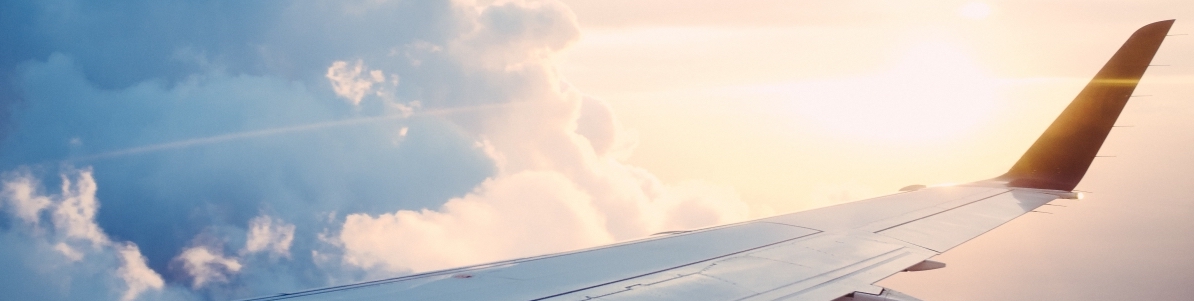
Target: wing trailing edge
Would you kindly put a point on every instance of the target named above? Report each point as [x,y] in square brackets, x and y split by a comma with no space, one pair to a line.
[1060,157]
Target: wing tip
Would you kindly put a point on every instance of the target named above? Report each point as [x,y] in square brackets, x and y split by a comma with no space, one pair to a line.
[1059,159]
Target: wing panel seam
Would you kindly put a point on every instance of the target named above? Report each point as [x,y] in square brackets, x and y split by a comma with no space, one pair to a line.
[944,211]
[680,266]
[855,272]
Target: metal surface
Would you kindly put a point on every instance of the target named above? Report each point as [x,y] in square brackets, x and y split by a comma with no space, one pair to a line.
[943,231]
[779,258]
[886,211]
[547,276]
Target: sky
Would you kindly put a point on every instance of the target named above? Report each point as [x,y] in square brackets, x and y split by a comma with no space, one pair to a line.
[173,150]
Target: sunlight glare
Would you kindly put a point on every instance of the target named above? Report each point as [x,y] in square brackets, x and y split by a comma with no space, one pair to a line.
[935,91]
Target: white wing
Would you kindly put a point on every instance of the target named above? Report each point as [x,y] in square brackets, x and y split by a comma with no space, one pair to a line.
[833,253]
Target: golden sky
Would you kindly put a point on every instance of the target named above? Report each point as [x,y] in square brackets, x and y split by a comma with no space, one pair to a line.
[799,104]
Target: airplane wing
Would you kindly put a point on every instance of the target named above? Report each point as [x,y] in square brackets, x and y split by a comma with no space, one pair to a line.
[833,253]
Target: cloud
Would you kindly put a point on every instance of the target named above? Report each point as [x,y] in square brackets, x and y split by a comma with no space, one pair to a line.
[353,82]
[231,165]
[80,252]
[276,146]
[269,235]
[136,275]
[22,200]
[206,266]
[494,222]
[74,214]
[598,124]
[560,184]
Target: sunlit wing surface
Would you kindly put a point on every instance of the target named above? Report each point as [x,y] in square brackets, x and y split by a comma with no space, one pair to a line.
[833,253]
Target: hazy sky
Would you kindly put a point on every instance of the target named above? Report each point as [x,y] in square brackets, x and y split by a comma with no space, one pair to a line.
[796,104]
[175,150]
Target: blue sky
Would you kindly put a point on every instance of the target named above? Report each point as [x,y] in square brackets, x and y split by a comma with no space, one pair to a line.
[94,78]
[215,150]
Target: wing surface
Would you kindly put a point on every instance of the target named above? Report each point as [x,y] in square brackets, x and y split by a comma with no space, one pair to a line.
[832,253]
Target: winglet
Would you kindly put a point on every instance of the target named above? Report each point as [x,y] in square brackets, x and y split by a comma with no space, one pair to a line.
[1061,156]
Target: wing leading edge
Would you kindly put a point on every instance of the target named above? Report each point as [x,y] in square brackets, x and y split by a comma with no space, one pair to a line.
[832,253]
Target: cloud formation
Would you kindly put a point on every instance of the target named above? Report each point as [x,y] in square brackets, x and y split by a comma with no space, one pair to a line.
[353,82]
[495,222]
[267,234]
[231,165]
[68,248]
[556,189]
[206,266]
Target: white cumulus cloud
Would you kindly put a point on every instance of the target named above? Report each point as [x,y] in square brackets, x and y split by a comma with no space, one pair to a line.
[85,252]
[525,213]
[561,182]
